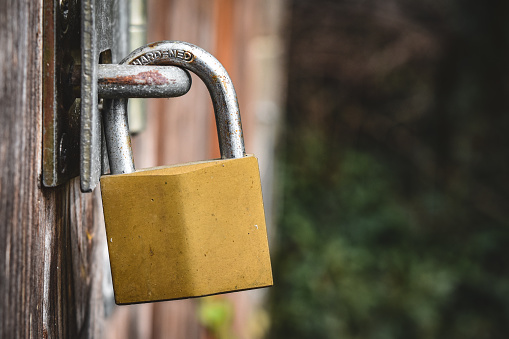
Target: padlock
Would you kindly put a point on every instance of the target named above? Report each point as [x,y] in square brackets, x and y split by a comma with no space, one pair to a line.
[187,230]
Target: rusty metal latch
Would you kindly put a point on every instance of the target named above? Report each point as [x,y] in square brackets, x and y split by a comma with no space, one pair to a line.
[81,40]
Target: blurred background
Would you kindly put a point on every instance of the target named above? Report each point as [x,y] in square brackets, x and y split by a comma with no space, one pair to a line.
[382,132]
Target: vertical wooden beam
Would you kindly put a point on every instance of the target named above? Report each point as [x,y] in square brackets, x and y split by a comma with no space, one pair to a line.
[49,238]
[21,242]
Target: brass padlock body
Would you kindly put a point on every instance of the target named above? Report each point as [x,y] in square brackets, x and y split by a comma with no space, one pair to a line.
[186,231]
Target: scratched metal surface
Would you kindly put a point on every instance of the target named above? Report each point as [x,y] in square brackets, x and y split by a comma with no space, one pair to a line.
[127,81]
[104,27]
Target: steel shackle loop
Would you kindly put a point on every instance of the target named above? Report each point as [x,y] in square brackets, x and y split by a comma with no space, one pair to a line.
[208,69]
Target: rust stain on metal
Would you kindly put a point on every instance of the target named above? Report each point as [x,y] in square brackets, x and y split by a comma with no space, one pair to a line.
[220,79]
[152,78]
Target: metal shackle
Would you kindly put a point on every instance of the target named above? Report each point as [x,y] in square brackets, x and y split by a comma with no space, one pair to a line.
[208,69]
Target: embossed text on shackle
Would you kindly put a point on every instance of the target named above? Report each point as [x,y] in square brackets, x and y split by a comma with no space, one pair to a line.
[156,55]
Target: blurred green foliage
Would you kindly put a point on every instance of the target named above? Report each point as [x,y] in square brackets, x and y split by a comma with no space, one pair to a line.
[394,215]
[216,315]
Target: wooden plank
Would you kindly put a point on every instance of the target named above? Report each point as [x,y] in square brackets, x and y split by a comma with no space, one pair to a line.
[49,238]
[20,232]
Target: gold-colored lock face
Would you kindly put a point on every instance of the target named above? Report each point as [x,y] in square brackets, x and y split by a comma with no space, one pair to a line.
[186,231]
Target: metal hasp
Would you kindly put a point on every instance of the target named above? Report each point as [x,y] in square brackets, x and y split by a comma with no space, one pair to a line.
[76,32]
[81,39]
[205,66]
[127,81]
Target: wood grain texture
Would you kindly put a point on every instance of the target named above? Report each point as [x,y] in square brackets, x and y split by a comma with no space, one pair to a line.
[49,238]
[52,240]
[20,232]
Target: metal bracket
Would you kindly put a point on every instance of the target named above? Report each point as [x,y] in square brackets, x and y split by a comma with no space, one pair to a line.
[77,32]
[78,36]
[102,23]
